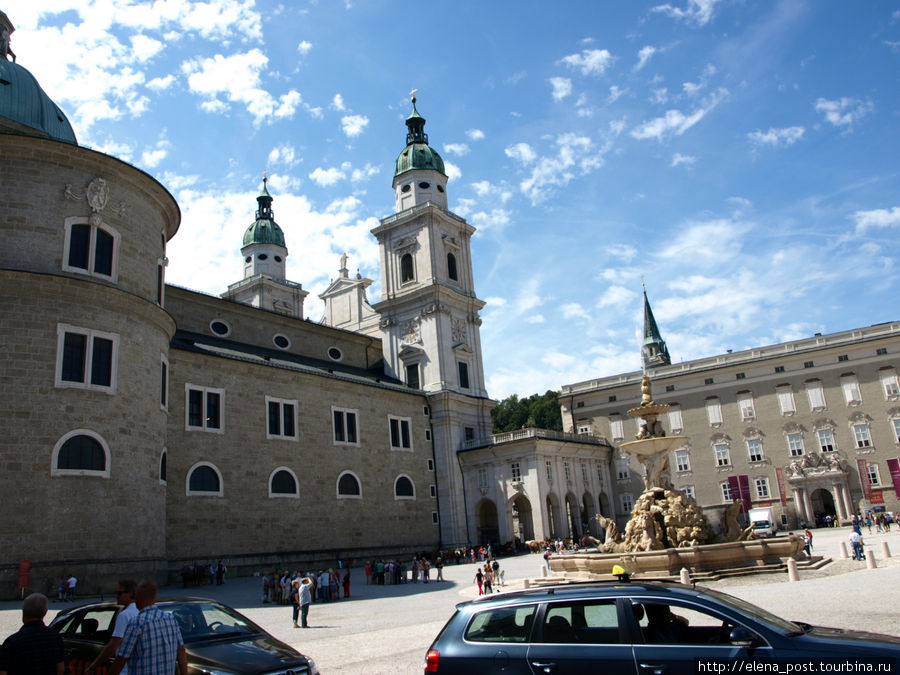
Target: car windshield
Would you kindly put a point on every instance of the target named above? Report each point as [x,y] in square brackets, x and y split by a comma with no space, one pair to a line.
[775,622]
[202,621]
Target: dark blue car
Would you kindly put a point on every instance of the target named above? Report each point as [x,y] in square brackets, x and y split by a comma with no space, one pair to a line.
[645,628]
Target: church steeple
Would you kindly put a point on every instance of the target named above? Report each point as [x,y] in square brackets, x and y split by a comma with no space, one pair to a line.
[653,350]
[419,174]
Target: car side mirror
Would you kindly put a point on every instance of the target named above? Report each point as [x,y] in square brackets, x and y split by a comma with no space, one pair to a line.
[742,637]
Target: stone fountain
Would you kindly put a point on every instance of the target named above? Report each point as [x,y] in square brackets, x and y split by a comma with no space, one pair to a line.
[667,530]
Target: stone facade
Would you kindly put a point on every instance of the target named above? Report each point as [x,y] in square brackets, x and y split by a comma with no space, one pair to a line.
[812,425]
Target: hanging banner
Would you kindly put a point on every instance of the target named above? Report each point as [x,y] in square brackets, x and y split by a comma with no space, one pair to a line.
[779,476]
[863,467]
[894,468]
[740,490]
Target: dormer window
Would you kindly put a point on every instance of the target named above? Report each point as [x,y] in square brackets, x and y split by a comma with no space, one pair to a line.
[406,268]
[451,267]
[424,185]
[440,188]
[406,188]
[262,256]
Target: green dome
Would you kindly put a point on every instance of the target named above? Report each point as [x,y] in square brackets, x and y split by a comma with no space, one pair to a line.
[418,154]
[23,101]
[264,229]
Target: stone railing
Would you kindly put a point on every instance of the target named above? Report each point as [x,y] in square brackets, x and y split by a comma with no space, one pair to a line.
[531,432]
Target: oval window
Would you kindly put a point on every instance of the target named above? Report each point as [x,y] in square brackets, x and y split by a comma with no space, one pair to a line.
[277,258]
[405,188]
[220,328]
[281,342]
[335,354]
[262,256]
[440,188]
[248,258]
[424,185]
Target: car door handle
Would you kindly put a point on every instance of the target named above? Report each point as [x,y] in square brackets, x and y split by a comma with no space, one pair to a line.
[545,666]
[655,668]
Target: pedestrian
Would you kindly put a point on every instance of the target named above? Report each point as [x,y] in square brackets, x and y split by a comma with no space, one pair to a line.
[502,578]
[295,601]
[265,587]
[152,642]
[426,570]
[368,570]
[347,583]
[305,599]
[34,649]
[479,579]
[220,573]
[124,596]
[70,588]
[439,565]
[62,588]
[856,543]
[488,580]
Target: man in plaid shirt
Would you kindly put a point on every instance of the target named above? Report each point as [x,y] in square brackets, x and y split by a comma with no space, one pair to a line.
[152,643]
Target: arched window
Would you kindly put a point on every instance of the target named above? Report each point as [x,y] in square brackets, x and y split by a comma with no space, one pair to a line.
[451,267]
[80,453]
[348,486]
[204,479]
[162,466]
[283,483]
[406,268]
[403,488]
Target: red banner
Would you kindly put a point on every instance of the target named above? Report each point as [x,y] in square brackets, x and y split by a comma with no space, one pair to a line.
[894,468]
[863,468]
[779,476]
[24,573]
[740,489]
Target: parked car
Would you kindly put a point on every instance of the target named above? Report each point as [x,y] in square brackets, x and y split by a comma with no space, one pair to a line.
[217,638]
[636,627]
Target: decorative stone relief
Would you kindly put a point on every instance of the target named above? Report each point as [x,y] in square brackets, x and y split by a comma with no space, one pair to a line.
[97,196]
[410,331]
[816,464]
[387,322]
[457,330]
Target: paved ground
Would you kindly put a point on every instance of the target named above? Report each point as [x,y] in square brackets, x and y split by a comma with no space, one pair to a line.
[387,629]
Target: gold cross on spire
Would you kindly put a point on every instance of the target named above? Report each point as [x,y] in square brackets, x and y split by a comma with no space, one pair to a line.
[412,94]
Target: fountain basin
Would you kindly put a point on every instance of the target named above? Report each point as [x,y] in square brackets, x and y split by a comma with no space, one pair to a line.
[654,446]
[706,557]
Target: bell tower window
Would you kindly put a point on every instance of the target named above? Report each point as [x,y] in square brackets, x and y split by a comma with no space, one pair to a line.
[451,267]
[406,268]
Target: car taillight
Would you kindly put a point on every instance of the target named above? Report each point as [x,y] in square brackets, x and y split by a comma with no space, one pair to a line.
[431,660]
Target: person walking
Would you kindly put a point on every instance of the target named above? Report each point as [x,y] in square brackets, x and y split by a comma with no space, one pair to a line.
[479,579]
[305,598]
[34,649]
[856,543]
[439,565]
[124,596]
[295,601]
[152,643]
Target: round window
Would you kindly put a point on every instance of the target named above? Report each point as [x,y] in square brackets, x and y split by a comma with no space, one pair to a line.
[424,185]
[406,188]
[281,342]
[440,188]
[277,258]
[335,354]
[262,256]
[220,328]
[248,258]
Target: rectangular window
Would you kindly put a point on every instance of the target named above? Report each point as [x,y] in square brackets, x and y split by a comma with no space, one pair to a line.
[816,394]
[412,376]
[599,473]
[612,399]
[688,490]
[670,387]
[682,460]
[616,428]
[708,380]
[432,491]
[204,409]
[779,369]
[430,464]
[282,418]
[400,435]
[622,470]
[567,471]
[345,427]
[727,497]
[895,425]
[890,384]
[762,487]
[874,475]
[584,429]
[861,436]
[428,434]
[90,249]
[714,411]
[881,351]
[164,383]
[482,478]
[826,440]
[161,281]
[549,465]
[580,404]
[745,403]
[786,400]
[584,472]
[469,433]
[843,357]
[434,518]
[516,472]
[676,424]
[627,502]
[740,376]
[808,364]
[755,450]
[86,358]
[850,387]
[723,456]
[463,369]
[795,444]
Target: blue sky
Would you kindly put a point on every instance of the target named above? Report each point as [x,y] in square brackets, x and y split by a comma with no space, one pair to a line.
[741,158]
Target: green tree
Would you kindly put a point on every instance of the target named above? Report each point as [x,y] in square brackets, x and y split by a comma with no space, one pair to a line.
[541,411]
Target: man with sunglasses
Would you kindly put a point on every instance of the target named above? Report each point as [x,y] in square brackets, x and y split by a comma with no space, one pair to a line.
[124,596]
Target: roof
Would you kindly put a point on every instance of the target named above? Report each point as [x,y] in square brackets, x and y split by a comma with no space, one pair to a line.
[264,229]
[23,101]
[418,154]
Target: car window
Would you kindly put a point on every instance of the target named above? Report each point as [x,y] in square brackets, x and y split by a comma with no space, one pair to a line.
[585,622]
[501,624]
[94,624]
[208,620]
[673,623]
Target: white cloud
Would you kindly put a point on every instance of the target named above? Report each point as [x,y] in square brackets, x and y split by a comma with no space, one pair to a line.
[877,218]
[615,93]
[453,171]
[161,83]
[562,87]
[660,95]
[844,111]
[675,121]
[327,177]
[359,175]
[458,149]
[304,47]
[573,310]
[144,48]
[282,155]
[521,152]
[338,103]
[590,61]
[644,56]
[678,158]
[697,12]
[535,318]
[475,134]
[785,136]
[716,240]
[617,296]
[150,159]
[353,125]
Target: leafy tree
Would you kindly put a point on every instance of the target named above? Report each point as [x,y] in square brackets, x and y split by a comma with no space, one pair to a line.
[541,411]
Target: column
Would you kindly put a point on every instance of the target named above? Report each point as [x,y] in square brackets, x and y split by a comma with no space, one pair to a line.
[838,501]
[799,506]
[845,495]
[807,504]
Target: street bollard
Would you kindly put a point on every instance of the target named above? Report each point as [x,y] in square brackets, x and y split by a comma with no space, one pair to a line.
[885,549]
[527,583]
[544,570]
[792,570]
[685,576]
[844,553]
[870,559]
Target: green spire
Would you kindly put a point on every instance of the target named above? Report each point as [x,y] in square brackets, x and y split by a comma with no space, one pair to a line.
[654,351]
[264,229]
[418,154]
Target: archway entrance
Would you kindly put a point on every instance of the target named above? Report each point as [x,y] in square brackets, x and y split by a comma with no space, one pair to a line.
[551,528]
[488,527]
[573,516]
[522,523]
[822,505]
[587,514]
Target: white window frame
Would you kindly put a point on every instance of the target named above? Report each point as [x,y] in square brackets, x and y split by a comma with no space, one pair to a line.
[549,466]
[54,456]
[164,383]
[762,487]
[725,490]
[284,495]
[815,393]
[584,472]
[203,493]
[400,422]
[874,473]
[164,456]
[616,427]
[850,387]
[795,444]
[626,501]
[515,472]
[405,497]
[63,329]
[786,400]
[188,387]
[584,429]
[344,413]
[714,411]
[161,264]
[92,249]
[567,471]
[745,404]
[482,478]
[722,453]
[862,435]
[890,385]
[895,426]
[337,484]
[755,443]
[432,491]
[623,471]
[821,437]
[688,490]
[682,460]
[282,403]
[676,422]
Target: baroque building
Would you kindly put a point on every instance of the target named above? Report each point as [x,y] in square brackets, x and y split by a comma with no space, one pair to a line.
[809,427]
